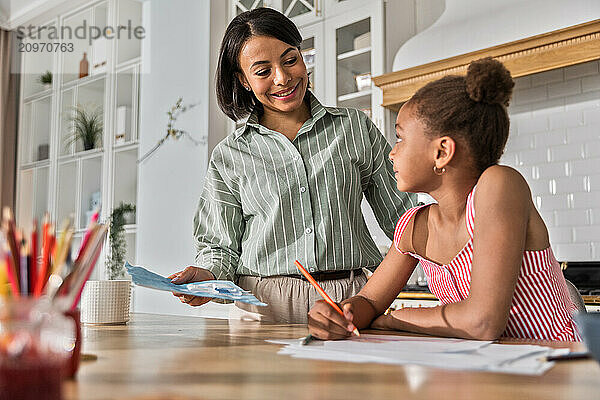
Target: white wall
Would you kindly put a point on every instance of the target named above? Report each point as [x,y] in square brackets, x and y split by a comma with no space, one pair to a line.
[176,65]
[555,143]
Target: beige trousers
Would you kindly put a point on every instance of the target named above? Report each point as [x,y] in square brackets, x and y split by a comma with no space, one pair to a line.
[289,299]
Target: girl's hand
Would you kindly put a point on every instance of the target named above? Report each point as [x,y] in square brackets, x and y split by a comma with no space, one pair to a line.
[327,324]
[191,274]
[382,322]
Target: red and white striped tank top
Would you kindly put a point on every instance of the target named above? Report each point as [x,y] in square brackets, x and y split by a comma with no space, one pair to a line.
[541,307]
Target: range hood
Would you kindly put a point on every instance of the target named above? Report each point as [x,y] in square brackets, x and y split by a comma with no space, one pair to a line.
[528,36]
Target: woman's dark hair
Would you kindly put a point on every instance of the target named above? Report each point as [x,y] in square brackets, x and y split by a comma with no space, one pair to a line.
[470,109]
[233,99]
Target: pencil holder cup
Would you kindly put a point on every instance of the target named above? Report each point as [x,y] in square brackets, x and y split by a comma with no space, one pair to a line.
[106,302]
[36,342]
[72,364]
[589,324]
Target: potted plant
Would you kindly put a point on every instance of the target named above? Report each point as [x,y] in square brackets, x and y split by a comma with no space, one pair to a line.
[87,126]
[46,79]
[108,301]
[118,245]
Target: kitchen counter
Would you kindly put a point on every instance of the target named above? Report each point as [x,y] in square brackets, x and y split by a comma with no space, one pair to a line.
[184,357]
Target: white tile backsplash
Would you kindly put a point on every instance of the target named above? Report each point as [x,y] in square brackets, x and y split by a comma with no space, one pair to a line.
[585,167]
[545,78]
[581,70]
[582,134]
[533,124]
[565,152]
[563,89]
[555,143]
[587,234]
[532,95]
[559,234]
[590,83]
[566,218]
[551,138]
[565,119]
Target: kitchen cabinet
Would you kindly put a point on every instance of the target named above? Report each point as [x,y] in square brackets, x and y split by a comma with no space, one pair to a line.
[54,172]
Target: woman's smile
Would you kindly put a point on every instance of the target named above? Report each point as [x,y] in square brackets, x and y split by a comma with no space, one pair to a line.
[286,94]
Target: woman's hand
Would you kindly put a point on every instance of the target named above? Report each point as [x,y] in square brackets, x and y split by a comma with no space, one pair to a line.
[327,324]
[191,274]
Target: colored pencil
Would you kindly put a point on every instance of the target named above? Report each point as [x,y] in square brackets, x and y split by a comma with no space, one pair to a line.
[322,292]
[11,275]
[86,237]
[41,274]
[33,262]
[9,228]
[84,265]
[23,264]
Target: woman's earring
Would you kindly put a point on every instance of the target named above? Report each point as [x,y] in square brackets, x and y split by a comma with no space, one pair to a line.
[247,88]
[438,171]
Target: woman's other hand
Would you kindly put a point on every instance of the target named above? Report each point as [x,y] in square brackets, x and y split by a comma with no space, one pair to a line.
[191,274]
[327,324]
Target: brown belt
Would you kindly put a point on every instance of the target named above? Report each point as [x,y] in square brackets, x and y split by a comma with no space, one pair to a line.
[330,275]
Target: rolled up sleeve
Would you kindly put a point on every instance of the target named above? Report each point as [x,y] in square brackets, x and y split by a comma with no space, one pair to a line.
[218,226]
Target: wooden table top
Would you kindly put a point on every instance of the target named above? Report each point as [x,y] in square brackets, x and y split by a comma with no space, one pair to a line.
[179,357]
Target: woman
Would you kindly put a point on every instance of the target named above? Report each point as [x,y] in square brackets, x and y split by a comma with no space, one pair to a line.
[288,184]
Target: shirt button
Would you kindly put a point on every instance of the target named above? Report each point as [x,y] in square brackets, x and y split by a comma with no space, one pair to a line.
[312,270]
[308,231]
[302,189]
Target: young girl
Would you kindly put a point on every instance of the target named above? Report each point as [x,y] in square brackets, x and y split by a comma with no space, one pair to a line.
[483,246]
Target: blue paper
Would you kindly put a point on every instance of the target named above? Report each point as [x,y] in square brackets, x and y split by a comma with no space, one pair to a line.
[215,289]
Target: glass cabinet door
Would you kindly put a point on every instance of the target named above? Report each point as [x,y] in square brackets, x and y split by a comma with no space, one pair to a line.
[313,55]
[240,6]
[336,7]
[354,50]
[302,12]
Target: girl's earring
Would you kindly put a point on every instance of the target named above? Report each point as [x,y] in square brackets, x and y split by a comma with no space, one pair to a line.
[247,88]
[438,171]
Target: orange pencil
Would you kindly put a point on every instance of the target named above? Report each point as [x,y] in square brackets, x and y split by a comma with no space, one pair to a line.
[322,292]
[33,269]
[41,274]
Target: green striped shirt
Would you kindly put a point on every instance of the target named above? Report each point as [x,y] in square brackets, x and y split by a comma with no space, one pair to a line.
[268,201]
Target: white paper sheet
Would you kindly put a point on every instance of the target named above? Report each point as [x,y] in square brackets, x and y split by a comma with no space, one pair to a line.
[446,353]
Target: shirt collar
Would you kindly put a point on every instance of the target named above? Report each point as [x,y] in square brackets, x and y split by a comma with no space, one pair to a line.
[317,110]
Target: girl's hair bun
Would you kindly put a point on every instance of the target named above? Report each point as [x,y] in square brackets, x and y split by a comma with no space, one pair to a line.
[488,81]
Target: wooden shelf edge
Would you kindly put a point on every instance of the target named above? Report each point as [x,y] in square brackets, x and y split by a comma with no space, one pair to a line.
[556,49]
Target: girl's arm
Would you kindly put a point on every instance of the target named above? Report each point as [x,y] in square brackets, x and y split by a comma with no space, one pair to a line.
[374,298]
[502,209]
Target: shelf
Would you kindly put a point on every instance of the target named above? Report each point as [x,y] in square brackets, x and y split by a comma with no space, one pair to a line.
[38,96]
[354,53]
[128,64]
[80,155]
[354,95]
[126,146]
[83,81]
[35,164]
